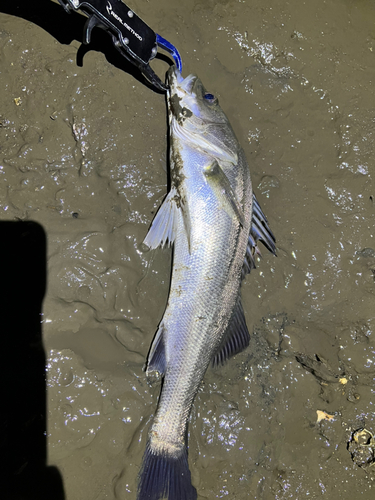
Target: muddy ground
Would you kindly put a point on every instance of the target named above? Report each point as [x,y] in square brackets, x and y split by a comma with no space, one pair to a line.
[83,150]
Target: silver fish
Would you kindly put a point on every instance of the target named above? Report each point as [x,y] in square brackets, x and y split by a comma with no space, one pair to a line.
[214,222]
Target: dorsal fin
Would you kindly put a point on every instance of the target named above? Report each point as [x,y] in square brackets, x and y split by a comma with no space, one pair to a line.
[236,338]
[259,231]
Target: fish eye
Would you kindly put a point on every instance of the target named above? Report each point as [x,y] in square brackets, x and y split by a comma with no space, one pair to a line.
[210,98]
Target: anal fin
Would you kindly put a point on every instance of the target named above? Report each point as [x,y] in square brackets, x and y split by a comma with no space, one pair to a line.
[156,357]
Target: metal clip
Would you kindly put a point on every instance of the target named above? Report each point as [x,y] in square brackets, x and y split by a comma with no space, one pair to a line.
[131,36]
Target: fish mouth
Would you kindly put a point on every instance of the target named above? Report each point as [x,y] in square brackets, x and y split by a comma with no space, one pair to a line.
[179,85]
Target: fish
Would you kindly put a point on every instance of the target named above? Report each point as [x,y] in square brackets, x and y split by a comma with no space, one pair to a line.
[214,222]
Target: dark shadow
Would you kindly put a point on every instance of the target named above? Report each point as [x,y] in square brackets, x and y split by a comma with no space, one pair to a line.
[66,27]
[23,413]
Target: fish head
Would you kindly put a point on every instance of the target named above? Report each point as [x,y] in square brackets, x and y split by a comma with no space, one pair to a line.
[196,117]
[189,102]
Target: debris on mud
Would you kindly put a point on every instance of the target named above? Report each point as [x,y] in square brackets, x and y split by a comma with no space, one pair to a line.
[362,448]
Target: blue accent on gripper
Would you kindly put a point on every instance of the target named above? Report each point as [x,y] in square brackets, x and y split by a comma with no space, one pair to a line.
[164,44]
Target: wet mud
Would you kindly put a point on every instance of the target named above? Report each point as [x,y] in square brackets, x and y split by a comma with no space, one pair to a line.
[83,152]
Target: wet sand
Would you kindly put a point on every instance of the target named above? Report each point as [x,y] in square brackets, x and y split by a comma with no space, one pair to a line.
[83,150]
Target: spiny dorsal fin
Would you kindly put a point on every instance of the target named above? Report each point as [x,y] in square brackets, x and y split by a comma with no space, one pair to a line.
[259,231]
[236,337]
[260,228]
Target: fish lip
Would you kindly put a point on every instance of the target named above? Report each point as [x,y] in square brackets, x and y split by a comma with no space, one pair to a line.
[178,84]
[173,75]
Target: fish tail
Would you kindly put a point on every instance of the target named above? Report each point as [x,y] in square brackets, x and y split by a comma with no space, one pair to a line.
[165,476]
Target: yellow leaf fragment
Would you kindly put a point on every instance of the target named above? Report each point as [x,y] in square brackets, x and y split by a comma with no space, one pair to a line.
[322,415]
[343,380]
[17,101]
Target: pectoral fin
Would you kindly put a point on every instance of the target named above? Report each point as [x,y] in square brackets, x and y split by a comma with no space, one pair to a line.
[221,186]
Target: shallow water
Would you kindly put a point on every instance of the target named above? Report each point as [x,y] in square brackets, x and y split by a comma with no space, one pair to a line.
[83,153]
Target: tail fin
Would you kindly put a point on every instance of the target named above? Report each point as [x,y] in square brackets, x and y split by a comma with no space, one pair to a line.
[165,476]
